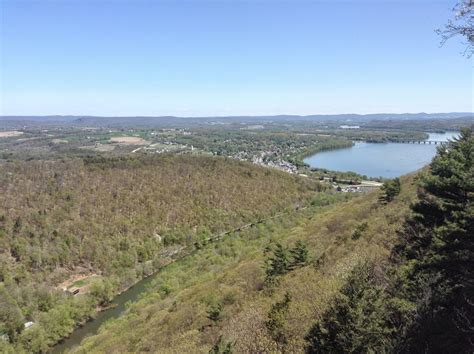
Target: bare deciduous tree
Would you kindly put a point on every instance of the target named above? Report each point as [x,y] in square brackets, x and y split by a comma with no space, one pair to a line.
[462,24]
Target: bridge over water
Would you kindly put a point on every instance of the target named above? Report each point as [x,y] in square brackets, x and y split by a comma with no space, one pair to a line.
[435,142]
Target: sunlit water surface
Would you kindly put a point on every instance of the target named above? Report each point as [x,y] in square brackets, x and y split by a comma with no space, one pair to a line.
[379,160]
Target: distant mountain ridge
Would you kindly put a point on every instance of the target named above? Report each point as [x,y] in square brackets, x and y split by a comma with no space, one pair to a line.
[276,116]
[173,120]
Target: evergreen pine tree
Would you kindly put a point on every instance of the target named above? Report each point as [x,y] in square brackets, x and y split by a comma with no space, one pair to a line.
[299,255]
[361,319]
[278,264]
[439,243]
[391,189]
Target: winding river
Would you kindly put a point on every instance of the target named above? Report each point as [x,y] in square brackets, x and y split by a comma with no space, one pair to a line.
[379,159]
[374,160]
[116,308]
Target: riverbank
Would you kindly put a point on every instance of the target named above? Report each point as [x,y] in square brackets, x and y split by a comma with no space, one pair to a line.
[319,148]
[118,305]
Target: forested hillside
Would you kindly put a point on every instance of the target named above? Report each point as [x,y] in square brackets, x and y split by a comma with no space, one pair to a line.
[369,275]
[260,290]
[114,221]
[387,271]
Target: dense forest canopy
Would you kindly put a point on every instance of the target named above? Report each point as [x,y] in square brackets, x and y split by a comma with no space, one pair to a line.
[118,219]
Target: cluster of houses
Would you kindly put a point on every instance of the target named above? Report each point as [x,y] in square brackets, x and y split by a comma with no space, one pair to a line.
[356,189]
[363,187]
[278,164]
[282,165]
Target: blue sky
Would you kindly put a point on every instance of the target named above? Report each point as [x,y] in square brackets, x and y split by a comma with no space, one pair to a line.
[200,58]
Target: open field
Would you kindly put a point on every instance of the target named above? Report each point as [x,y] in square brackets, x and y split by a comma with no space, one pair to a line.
[129,140]
[9,134]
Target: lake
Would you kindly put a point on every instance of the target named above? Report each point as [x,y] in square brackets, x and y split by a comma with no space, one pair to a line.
[379,160]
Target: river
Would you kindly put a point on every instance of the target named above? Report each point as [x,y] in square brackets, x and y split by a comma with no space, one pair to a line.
[374,160]
[379,159]
[117,307]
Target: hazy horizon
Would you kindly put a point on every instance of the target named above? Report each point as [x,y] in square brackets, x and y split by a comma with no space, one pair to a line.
[232,116]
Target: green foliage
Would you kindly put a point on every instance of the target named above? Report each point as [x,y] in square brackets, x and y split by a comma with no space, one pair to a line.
[299,255]
[34,339]
[363,318]
[102,291]
[214,312]
[282,260]
[438,243]
[277,318]
[11,318]
[278,263]
[390,190]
